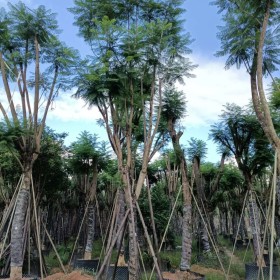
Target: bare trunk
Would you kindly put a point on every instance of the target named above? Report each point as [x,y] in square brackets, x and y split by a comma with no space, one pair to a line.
[186,239]
[212,224]
[121,205]
[91,212]
[187,221]
[90,231]
[203,235]
[17,231]
[202,202]
[133,249]
[255,228]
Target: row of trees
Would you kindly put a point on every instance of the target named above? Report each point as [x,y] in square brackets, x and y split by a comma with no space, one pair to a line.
[139,52]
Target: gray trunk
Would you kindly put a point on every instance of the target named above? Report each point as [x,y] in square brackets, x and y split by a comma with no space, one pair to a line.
[243,231]
[186,238]
[121,204]
[133,249]
[90,232]
[212,224]
[17,230]
[255,228]
[234,225]
[204,236]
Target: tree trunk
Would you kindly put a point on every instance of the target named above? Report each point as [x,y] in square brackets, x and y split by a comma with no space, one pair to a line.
[90,231]
[202,203]
[212,224]
[17,230]
[91,212]
[121,205]
[133,266]
[187,220]
[255,228]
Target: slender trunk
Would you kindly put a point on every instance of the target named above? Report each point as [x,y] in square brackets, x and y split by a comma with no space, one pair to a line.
[187,221]
[255,228]
[202,202]
[212,224]
[133,249]
[133,266]
[90,231]
[17,231]
[152,217]
[121,204]
[91,212]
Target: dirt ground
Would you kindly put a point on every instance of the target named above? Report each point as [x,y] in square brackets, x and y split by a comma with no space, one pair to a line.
[74,275]
[178,275]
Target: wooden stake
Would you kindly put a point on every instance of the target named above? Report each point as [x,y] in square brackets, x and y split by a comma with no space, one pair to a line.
[149,242]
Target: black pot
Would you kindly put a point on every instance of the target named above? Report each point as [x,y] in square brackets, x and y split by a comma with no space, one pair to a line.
[238,244]
[121,273]
[252,272]
[266,259]
[86,264]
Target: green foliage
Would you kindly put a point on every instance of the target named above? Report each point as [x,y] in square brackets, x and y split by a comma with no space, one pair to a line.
[173,105]
[197,149]
[49,170]
[230,193]
[64,252]
[239,131]
[133,43]
[240,34]
[161,208]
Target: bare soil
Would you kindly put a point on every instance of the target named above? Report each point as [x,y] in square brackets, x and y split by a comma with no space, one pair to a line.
[74,275]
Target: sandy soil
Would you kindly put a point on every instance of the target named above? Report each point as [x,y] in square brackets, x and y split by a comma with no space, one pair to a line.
[181,275]
[74,275]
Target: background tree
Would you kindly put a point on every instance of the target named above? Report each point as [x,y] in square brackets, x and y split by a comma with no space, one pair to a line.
[251,37]
[240,132]
[174,109]
[196,151]
[87,160]
[28,41]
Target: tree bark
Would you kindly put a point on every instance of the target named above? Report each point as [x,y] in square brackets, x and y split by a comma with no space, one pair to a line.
[187,219]
[255,228]
[121,205]
[17,230]
[90,231]
[91,212]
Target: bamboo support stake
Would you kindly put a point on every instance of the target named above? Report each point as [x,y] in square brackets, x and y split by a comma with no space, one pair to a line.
[167,226]
[106,259]
[142,261]
[10,222]
[79,232]
[149,242]
[273,216]
[205,224]
[37,229]
[11,205]
[234,245]
[58,257]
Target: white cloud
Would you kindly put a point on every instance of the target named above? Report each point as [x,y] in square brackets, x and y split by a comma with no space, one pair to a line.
[66,108]
[212,88]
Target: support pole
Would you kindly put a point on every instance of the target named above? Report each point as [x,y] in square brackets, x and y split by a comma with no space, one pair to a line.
[273,216]
[149,242]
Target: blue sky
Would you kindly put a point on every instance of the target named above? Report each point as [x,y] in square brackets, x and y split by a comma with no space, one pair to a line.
[206,94]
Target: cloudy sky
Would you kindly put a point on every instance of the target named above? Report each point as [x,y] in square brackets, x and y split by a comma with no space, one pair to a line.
[212,87]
